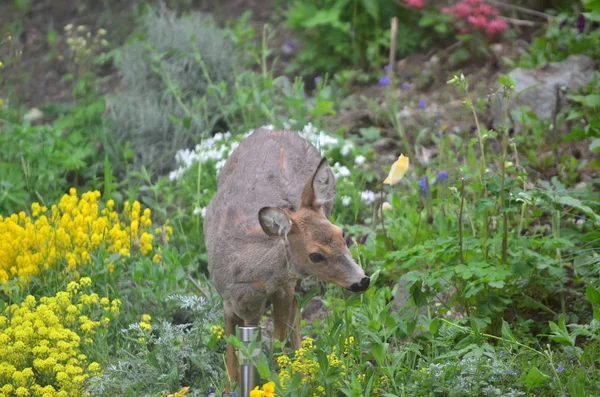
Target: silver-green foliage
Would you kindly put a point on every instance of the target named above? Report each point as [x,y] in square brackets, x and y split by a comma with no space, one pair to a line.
[170,356]
[164,104]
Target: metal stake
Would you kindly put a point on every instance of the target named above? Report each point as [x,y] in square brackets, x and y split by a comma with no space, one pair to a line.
[248,372]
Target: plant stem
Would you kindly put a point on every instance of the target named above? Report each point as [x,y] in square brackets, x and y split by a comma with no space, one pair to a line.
[480,137]
[470,331]
[460,214]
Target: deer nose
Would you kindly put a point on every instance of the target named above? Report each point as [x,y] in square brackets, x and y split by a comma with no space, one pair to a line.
[362,286]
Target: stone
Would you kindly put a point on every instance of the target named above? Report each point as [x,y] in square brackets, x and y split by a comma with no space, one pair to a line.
[537,88]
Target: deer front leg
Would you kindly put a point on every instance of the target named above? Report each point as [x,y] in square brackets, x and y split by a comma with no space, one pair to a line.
[285,314]
[231,321]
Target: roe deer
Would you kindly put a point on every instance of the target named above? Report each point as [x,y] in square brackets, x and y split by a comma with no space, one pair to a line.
[267,228]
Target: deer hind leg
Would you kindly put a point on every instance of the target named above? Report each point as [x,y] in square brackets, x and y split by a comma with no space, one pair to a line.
[231,321]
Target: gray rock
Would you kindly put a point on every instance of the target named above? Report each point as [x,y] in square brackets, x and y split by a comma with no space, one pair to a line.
[537,88]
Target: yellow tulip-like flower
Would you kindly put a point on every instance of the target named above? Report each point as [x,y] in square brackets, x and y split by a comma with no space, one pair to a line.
[398,170]
[257,393]
[180,393]
[269,389]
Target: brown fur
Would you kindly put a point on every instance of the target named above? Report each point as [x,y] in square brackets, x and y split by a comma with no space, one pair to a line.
[269,214]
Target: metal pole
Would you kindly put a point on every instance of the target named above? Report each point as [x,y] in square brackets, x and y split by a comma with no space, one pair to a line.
[248,372]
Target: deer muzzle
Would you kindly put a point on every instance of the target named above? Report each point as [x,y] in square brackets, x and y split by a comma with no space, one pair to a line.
[361,286]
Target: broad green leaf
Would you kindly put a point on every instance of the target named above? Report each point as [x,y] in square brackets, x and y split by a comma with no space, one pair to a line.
[534,378]
[506,332]
[593,295]
[378,352]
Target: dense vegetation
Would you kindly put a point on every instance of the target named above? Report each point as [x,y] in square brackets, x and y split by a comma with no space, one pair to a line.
[483,242]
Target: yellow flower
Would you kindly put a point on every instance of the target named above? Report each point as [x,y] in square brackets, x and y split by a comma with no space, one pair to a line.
[1,64]
[257,393]
[180,393]
[269,389]
[70,233]
[1,102]
[398,170]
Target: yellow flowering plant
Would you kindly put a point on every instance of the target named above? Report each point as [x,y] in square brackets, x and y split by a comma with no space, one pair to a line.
[43,342]
[69,233]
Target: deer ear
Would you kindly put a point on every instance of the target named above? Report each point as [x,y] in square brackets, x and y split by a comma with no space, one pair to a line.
[319,191]
[274,221]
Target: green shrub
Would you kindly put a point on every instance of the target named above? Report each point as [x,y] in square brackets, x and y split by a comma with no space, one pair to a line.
[168,70]
[341,33]
[45,160]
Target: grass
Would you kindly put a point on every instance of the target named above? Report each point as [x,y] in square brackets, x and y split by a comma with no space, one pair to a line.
[485,273]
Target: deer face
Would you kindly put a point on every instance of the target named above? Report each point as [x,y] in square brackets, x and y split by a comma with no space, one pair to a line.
[316,245]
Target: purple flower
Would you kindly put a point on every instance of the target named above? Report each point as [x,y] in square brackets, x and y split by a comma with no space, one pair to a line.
[501,353]
[363,239]
[580,23]
[563,23]
[422,104]
[384,80]
[518,372]
[510,372]
[387,68]
[424,186]
[348,241]
[405,86]
[318,79]
[442,178]
[211,393]
[290,44]
[233,394]
[560,369]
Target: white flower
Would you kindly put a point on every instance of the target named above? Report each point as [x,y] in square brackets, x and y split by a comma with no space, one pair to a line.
[360,159]
[219,164]
[346,201]
[346,148]
[201,211]
[340,170]
[368,196]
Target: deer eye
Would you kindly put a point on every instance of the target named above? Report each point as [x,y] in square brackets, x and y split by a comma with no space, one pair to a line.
[316,258]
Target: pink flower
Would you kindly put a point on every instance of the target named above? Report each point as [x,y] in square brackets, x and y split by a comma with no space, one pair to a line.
[486,9]
[496,26]
[415,3]
[462,10]
[478,21]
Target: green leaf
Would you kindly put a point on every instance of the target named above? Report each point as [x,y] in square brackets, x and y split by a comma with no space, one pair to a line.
[372,7]
[595,145]
[378,353]
[506,332]
[496,284]
[593,100]
[263,370]
[534,378]
[426,20]
[434,326]
[593,16]
[593,295]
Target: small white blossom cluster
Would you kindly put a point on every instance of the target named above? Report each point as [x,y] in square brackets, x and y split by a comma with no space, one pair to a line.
[216,149]
[320,139]
[219,147]
[200,211]
[368,196]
